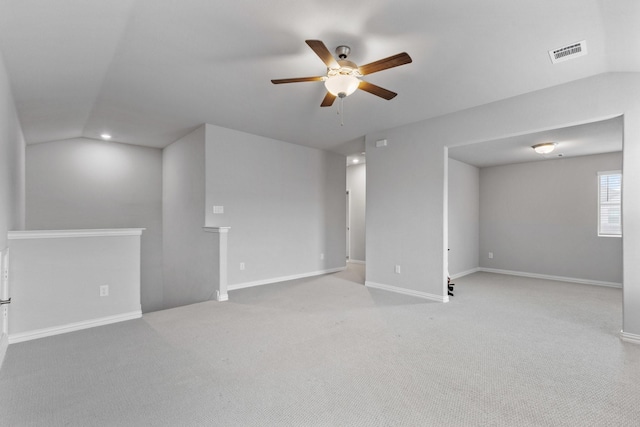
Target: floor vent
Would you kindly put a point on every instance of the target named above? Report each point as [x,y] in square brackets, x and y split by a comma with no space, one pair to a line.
[568,52]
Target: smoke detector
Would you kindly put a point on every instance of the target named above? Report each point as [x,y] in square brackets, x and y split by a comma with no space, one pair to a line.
[571,51]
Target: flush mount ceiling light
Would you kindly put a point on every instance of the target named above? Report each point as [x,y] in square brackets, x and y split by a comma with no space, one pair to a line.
[105,136]
[545,147]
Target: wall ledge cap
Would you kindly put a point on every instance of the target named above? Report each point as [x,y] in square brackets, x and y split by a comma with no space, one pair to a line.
[57,234]
[216,229]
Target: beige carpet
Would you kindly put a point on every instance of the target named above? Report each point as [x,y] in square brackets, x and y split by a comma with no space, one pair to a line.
[327,351]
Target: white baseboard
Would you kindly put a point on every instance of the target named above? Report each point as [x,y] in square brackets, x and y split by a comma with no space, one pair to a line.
[411,292]
[4,344]
[465,273]
[282,279]
[356,261]
[549,277]
[630,338]
[71,327]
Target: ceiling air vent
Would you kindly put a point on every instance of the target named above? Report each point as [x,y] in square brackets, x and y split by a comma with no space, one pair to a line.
[568,52]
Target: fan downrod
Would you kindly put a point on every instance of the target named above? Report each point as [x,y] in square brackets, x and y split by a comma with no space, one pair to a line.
[343,51]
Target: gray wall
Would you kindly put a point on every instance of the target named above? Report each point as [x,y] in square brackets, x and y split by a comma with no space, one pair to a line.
[83,183]
[189,251]
[406,208]
[12,170]
[464,217]
[406,182]
[12,162]
[285,205]
[541,217]
[356,184]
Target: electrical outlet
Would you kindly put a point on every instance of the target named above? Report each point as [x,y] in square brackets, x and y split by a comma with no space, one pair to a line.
[104,290]
[218,209]
[490,255]
[397,269]
[242,266]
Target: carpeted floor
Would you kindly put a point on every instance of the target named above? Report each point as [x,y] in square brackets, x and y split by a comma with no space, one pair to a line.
[326,351]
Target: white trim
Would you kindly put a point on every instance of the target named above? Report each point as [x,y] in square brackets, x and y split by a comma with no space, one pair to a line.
[465,273]
[56,234]
[411,292]
[71,327]
[630,338]
[549,277]
[282,279]
[221,297]
[216,229]
[356,261]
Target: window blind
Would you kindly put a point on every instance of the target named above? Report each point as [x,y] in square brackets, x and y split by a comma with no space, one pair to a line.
[610,203]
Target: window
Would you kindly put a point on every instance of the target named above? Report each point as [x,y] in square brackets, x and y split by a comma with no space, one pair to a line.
[610,203]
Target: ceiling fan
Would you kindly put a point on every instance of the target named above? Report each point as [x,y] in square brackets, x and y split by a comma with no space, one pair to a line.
[344,77]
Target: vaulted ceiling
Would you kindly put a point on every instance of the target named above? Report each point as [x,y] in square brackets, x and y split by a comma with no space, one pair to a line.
[149,71]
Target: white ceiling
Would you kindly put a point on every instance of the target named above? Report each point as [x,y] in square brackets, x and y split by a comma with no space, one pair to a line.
[149,71]
[581,140]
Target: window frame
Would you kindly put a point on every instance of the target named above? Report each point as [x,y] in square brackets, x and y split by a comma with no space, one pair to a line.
[600,203]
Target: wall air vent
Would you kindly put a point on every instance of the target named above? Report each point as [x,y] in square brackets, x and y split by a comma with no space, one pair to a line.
[568,52]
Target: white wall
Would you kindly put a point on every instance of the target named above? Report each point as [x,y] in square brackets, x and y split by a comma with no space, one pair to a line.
[464,217]
[189,251]
[12,170]
[285,205]
[541,217]
[85,183]
[406,181]
[356,184]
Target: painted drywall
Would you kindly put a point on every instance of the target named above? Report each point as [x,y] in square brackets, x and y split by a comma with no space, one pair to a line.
[285,204]
[85,183]
[356,185]
[56,279]
[12,170]
[407,218]
[12,163]
[189,251]
[405,209]
[464,214]
[541,218]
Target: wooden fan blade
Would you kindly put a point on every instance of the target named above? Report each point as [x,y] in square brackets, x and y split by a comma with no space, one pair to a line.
[323,53]
[377,90]
[328,100]
[386,63]
[297,80]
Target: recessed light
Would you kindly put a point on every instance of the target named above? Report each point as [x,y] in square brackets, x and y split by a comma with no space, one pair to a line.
[356,161]
[105,136]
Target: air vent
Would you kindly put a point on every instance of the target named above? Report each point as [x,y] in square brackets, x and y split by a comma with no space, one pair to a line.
[568,52]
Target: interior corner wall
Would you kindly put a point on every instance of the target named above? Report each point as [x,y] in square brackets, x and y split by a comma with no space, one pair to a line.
[464,222]
[12,175]
[189,252]
[84,183]
[406,209]
[542,218]
[285,204]
[356,185]
[12,162]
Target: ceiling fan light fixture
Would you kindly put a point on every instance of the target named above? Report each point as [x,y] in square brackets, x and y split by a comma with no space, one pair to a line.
[544,148]
[342,85]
